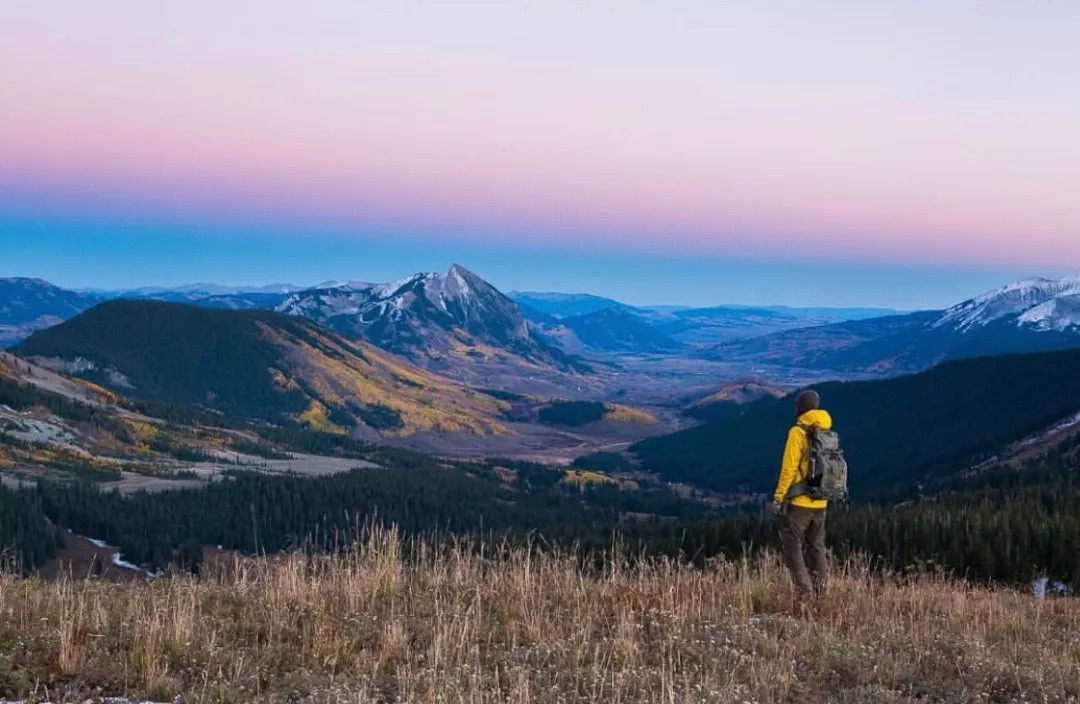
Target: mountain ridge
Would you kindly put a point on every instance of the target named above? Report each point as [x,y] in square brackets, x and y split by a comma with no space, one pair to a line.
[1031,315]
[257,363]
[903,429]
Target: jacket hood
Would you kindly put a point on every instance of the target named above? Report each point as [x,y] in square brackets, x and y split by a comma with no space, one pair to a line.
[817,418]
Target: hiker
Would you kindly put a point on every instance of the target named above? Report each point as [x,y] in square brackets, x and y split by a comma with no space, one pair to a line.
[812,471]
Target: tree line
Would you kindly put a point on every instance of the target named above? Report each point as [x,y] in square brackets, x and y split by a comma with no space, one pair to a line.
[1004,526]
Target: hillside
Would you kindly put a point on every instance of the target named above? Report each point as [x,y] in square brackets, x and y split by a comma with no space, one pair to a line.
[256,364]
[731,399]
[900,430]
[618,329]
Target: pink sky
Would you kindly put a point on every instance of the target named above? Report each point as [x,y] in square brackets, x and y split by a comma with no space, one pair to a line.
[897,132]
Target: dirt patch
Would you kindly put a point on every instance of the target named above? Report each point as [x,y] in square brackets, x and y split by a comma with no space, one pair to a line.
[537,443]
[81,558]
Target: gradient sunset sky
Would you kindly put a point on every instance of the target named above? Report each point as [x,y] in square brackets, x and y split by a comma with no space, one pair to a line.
[907,154]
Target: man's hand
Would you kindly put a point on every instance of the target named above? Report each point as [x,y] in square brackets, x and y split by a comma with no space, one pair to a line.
[776,507]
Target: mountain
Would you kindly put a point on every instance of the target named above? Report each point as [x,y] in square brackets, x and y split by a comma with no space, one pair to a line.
[702,326]
[1032,304]
[563,305]
[210,297]
[1027,316]
[720,324]
[230,301]
[435,319]
[27,305]
[195,291]
[617,329]
[682,325]
[896,431]
[832,314]
[256,364]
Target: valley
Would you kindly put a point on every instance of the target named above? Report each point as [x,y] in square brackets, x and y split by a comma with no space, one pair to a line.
[444,363]
[437,402]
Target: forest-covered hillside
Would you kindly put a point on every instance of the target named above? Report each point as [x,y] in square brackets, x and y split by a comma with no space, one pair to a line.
[895,432]
[257,364]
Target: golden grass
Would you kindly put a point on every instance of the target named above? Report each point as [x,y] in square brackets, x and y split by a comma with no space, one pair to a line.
[316,417]
[628,414]
[337,372]
[583,477]
[446,625]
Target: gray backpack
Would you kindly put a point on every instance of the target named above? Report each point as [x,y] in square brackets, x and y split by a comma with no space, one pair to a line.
[827,477]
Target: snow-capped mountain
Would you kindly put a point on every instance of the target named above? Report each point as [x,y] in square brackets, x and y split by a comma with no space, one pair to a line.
[428,316]
[1042,304]
[1032,315]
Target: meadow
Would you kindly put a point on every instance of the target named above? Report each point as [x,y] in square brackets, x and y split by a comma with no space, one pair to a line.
[420,620]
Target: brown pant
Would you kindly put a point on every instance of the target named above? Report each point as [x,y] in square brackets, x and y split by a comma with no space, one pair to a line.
[804,529]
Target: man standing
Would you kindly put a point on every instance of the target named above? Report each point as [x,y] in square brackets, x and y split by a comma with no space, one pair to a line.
[803,524]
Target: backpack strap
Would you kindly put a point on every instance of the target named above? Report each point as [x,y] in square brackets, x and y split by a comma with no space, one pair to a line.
[801,487]
[798,489]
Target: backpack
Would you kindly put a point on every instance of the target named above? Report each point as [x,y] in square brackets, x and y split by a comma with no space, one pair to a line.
[827,476]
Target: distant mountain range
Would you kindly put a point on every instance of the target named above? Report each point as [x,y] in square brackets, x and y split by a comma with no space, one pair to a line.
[457,323]
[565,305]
[1026,316]
[256,364]
[193,291]
[441,321]
[680,325]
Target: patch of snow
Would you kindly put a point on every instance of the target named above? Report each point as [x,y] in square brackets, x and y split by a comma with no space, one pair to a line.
[1069,422]
[392,288]
[23,426]
[116,559]
[1058,314]
[119,379]
[123,564]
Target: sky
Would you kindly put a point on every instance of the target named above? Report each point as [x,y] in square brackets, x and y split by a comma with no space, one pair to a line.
[831,153]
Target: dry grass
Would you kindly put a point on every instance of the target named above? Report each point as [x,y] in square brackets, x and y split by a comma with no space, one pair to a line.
[451,626]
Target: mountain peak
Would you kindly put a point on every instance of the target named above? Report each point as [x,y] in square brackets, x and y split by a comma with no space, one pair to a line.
[430,316]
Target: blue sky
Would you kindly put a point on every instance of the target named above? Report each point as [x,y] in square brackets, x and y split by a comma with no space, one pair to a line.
[843,152]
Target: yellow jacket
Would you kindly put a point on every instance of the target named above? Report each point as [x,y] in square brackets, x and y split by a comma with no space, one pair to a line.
[796,463]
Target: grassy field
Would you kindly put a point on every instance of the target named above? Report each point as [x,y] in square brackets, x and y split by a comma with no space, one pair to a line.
[423,624]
